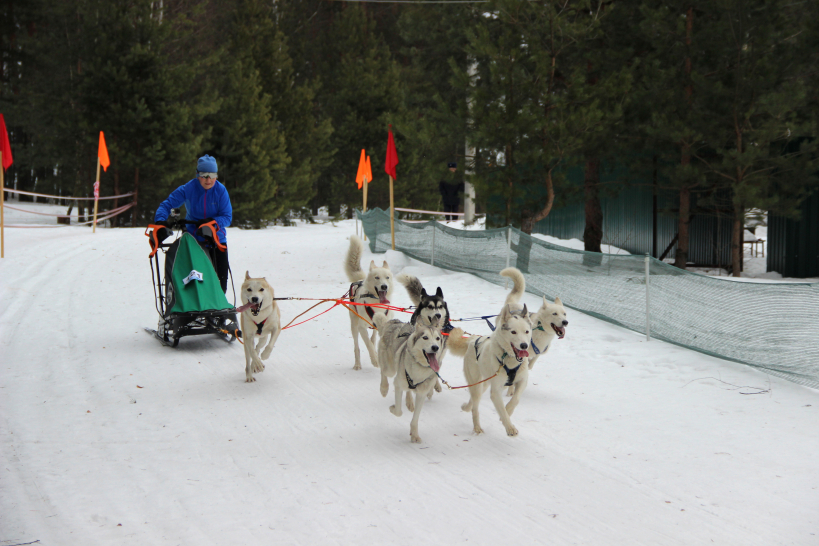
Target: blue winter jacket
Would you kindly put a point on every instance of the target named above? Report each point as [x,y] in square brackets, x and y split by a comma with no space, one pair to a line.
[200,204]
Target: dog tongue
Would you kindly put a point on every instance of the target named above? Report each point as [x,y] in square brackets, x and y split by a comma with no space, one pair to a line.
[433,362]
[520,353]
[382,297]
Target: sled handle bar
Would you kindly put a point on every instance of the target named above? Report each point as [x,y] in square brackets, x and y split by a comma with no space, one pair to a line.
[152,230]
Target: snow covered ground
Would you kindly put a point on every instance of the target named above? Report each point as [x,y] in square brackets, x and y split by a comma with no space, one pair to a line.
[109,438]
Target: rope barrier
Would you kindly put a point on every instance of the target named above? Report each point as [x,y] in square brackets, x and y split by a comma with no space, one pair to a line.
[67,198]
[107,216]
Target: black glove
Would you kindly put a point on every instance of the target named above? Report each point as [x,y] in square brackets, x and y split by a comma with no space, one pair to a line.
[164,232]
[205,232]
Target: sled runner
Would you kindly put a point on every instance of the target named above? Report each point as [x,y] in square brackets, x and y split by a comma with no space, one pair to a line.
[188,296]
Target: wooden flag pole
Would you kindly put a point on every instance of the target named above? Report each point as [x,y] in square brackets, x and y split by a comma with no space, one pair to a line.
[2,208]
[392,216]
[96,194]
[365,207]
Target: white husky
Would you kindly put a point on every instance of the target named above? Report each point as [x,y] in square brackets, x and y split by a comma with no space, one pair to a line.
[261,323]
[547,323]
[374,286]
[496,361]
[415,363]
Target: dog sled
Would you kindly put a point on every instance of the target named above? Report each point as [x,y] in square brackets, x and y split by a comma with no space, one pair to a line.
[187,292]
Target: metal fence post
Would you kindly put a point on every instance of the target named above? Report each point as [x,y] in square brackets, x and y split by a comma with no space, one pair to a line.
[508,250]
[648,300]
[432,259]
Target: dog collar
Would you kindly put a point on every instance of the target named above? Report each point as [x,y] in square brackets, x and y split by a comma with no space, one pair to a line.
[539,327]
[259,326]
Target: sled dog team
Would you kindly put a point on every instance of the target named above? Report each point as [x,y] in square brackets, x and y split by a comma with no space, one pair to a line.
[411,353]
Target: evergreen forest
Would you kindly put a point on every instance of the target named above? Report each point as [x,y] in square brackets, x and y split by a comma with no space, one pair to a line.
[701,98]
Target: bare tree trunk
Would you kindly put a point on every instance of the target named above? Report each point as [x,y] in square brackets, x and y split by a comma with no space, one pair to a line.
[136,195]
[681,256]
[550,200]
[593,234]
[737,240]
[115,219]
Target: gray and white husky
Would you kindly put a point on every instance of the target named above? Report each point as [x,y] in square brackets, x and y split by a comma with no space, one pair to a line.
[414,359]
[548,323]
[495,361]
[375,286]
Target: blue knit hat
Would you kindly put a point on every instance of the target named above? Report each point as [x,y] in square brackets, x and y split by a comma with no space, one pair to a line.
[206,164]
[452,165]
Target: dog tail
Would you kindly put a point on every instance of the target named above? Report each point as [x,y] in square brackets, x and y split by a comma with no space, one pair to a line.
[352,264]
[519,286]
[380,319]
[413,286]
[457,343]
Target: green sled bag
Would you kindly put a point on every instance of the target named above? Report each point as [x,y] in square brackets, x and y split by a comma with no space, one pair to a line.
[195,283]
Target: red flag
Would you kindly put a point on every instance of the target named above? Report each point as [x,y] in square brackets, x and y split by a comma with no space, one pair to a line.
[103,153]
[392,156]
[5,147]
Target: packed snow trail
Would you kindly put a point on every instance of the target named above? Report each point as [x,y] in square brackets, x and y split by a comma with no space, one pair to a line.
[108,437]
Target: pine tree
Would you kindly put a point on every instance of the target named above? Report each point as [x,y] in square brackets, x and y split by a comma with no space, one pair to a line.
[292,104]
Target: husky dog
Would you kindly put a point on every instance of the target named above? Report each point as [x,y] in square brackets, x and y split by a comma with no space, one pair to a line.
[496,361]
[261,322]
[372,287]
[548,322]
[415,363]
[426,306]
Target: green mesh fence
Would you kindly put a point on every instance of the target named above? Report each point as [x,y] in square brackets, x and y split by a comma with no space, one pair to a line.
[771,326]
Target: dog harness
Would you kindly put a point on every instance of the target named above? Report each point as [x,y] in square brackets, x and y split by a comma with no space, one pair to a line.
[259,326]
[532,341]
[410,383]
[354,288]
[510,372]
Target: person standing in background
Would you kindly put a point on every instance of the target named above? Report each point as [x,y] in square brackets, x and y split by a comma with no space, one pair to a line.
[451,190]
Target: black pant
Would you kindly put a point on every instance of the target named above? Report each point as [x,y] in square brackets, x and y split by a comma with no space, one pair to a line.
[450,208]
[222,266]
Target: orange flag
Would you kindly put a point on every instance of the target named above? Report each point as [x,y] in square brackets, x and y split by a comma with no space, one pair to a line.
[103,153]
[369,171]
[362,171]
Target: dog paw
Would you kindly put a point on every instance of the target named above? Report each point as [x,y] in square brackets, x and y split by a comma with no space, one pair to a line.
[266,353]
[466,407]
[357,367]
[511,430]
[258,367]
[437,387]
[415,439]
[510,391]
[385,388]
[250,379]
[477,430]
[396,412]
